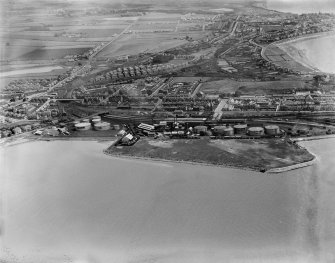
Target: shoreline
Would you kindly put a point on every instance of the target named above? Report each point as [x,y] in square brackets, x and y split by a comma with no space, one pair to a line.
[304,37]
[245,168]
[294,166]
[127,156]
[279,44]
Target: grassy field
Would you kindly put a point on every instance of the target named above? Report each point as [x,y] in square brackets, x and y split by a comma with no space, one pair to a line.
[252,154]
[251,87]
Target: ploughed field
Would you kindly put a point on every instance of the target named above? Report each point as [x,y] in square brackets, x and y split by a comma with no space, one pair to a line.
[251,154]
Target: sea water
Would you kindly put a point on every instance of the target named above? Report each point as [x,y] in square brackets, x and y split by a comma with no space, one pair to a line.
[66,201]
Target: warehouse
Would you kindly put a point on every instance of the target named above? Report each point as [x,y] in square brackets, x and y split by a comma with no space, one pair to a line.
[146,127]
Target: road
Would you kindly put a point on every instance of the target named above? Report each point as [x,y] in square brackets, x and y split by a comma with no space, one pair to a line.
[232,32]
[251,41]
[218,111]
[160,85]
[45,104]
[196,89]
[235,25]
[87,64]
[115,38]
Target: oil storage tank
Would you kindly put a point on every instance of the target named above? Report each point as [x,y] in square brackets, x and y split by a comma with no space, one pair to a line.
[102,126]
[228,131]
[96,121]
[96,118]
[82,126]
[116,127]
[219,130]
[240,128]
[200,129]
[256,131]
[272,130]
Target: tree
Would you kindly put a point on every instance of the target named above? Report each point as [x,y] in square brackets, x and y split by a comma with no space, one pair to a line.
[237,93]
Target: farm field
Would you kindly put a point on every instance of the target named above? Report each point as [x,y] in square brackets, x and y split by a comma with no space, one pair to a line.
[131,44]
[31,35]
[43,35]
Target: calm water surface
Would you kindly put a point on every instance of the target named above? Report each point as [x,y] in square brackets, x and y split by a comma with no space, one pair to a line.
[317,52]
[67,202]
[28,71]
[302,6]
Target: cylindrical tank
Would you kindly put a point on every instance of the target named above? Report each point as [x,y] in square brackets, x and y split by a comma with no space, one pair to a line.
[272,129]
[228,131]
[219,130]
[95,121]
[102,126]
[73,124]
[96,118]
[199,129]
[82,126]
[256,131]
[35,126]
[240,128]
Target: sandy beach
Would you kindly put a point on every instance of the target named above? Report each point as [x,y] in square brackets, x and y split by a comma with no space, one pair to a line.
[312,51]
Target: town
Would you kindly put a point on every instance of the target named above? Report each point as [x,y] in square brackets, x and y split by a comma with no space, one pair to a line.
[230,80]
[167,131]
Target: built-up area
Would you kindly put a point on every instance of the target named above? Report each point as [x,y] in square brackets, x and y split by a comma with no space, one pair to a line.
[233,82]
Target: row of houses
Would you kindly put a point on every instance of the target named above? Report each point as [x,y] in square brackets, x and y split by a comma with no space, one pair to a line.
[16,130]
[138,71]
